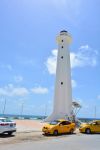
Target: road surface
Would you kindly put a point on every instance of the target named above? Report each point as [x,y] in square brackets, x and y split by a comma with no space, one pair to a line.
[64,142]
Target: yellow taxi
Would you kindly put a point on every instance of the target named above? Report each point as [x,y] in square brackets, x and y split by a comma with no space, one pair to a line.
[58,126]
[92,127]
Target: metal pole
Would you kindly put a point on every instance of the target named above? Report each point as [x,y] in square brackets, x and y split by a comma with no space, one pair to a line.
[95,111]
[4,106]
[22,106]
[45,110]
[0,106]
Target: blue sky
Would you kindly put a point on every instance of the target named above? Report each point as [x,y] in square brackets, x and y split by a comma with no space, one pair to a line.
[28,52]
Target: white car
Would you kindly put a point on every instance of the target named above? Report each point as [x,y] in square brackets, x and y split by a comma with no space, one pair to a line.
[7,126]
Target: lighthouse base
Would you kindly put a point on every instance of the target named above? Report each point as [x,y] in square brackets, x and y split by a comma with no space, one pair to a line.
[56,116]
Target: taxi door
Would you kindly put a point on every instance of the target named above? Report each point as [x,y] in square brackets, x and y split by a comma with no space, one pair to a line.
[98,126]
[64,127]
[95,127]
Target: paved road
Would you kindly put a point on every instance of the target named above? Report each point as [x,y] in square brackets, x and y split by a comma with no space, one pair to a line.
[66,142]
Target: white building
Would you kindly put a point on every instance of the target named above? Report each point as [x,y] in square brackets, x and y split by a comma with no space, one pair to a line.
[63,91]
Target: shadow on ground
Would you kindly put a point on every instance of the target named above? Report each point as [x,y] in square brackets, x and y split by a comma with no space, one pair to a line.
[90,133]
[6,136]
[59,135]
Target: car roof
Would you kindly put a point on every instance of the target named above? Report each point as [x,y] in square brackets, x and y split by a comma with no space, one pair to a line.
[96,120]
[2,118]
[62,120]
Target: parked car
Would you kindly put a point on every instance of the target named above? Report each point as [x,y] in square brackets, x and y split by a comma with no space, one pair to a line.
[7,126]
[58,126]
[92,127]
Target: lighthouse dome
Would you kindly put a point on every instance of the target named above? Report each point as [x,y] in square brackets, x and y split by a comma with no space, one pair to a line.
[63,31]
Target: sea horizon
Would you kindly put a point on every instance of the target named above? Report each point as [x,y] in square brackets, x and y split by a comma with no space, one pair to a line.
[40,117]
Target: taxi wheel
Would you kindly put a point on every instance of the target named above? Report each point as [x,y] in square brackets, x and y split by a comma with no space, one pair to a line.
[55,132]
[88,131]
[71,131]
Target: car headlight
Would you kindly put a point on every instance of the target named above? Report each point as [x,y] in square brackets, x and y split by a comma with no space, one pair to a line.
[45,128]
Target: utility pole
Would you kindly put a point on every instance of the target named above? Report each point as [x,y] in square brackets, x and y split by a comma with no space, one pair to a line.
[0,106]
[4,106]
[22,107]
[45,110]
[95,112]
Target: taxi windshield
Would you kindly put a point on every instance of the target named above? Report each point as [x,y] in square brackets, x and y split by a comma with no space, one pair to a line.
[92,122]
[54,122]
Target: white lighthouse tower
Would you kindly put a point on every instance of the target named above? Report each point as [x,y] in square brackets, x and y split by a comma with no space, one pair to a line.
[63,90]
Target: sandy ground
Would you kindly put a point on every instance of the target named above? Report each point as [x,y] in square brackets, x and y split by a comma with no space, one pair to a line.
[27,130]
[29,125]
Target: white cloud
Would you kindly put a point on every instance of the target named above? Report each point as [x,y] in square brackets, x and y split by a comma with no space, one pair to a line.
[85,56]
[39,90]
[20,91]
[51,62]
[68,9]
[74,83]
[9,67]
[98,97]
[10,90]
[6,66]
[18,78]
[84,47]
[26,61]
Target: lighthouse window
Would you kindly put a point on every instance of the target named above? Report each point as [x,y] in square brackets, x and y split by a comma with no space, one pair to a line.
[61,83]
[62,47]
[62,57]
